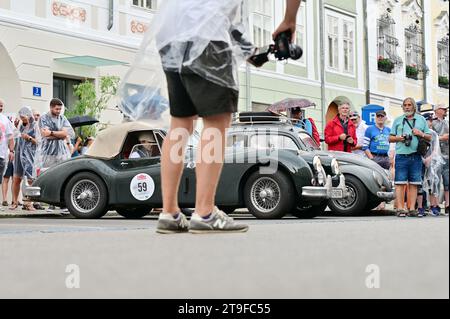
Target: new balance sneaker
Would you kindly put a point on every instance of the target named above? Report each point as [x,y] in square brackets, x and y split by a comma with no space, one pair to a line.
[218,222]
[169,225]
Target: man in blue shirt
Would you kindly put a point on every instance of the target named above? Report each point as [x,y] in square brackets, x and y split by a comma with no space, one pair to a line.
[406,131]
[376,141]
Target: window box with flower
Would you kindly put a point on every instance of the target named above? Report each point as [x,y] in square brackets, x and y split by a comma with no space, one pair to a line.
[385,65]
[443,82]
[412,72]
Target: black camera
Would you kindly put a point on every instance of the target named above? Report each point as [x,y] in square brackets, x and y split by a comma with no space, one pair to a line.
[408,139]
[283,49]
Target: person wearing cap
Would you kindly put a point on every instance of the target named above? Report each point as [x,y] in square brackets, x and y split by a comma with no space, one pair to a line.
[376,141]
[146,147]
[340,133]
[361,128]
[440,126]
[24,157]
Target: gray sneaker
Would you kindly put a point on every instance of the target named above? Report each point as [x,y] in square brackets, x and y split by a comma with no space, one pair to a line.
[217,223]
[169,225]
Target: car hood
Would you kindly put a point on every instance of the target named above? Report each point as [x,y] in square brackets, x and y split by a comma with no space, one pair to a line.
[350,158]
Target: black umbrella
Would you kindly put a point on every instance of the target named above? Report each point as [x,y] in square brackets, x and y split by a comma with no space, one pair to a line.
[84,120]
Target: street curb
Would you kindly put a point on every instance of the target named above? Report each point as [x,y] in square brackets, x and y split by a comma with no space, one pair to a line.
[19,215]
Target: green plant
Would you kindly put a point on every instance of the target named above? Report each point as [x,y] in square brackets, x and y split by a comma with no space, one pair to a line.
[443,81]
[89,103]
[412,71]
[385,64]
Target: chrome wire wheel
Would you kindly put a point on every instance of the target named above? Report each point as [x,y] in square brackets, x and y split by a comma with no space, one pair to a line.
[265,194]
[349,201]
[85,196]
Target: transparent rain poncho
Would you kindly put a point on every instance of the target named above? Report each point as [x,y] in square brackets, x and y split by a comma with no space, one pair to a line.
[51,151]
[434,163]
[26,150]
[207,37]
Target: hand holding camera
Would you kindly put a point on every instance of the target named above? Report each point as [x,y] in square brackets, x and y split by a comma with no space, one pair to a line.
[407,139]
[283,49]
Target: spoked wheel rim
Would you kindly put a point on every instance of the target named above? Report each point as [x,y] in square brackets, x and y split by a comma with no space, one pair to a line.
[265,194]
[348,202]
[85,196]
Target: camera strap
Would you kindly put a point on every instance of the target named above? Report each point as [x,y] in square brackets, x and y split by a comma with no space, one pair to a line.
[409,124]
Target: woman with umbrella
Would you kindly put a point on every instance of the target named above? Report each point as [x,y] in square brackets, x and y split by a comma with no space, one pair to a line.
[295,107]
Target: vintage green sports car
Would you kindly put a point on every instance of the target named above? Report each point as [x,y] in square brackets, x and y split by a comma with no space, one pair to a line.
[115,175]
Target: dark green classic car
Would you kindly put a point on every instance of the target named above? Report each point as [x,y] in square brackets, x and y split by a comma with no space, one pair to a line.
[270,182]
[367,183]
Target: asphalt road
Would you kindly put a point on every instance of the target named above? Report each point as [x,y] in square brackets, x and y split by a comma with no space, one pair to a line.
[328,257]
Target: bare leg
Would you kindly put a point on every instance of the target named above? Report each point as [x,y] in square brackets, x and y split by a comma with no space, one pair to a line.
[412,197]
[172,168]
[209,164]
[16,189]
[420,201]
[5,188]
[400,196]
[434,201]
[446,194]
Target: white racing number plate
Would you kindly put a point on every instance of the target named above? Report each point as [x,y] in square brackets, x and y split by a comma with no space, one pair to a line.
[337,193]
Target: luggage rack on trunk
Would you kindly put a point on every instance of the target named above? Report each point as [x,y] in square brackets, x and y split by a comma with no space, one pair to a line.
[257,118]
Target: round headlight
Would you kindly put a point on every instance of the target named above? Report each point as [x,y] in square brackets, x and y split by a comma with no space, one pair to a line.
[335,167]
[321,175]
[317,162]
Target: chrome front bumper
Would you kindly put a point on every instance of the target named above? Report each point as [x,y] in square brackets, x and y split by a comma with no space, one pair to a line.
[386,196]
[32,192]
[327,191]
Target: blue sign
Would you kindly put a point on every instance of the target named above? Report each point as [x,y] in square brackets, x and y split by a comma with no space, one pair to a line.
[368,113]
[37,91]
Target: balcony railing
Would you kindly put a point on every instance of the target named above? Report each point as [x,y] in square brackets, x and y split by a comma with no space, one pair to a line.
[388,60]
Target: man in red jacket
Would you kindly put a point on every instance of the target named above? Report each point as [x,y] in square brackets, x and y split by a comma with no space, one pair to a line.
[340,133]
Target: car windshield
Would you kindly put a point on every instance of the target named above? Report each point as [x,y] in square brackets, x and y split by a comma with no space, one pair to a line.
[147,150]
[308,141]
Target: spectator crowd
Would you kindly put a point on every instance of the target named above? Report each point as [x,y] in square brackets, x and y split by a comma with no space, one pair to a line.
[414,149]
[30,144]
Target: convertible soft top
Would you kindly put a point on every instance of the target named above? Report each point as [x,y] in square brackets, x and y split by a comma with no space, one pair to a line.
[109,142]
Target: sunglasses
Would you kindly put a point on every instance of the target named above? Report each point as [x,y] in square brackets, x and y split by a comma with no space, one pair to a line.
[380,115]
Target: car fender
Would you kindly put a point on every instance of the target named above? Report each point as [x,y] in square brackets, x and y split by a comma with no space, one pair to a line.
[53,181]
[364,174]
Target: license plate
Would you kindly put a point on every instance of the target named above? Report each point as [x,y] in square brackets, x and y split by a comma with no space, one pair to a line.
[337,193]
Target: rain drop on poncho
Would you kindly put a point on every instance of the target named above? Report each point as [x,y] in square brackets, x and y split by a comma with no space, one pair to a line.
[207,37]
[434,163]
[25,150]
[50,150]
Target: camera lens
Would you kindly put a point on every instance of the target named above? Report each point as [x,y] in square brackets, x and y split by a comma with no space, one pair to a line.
[296,52]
